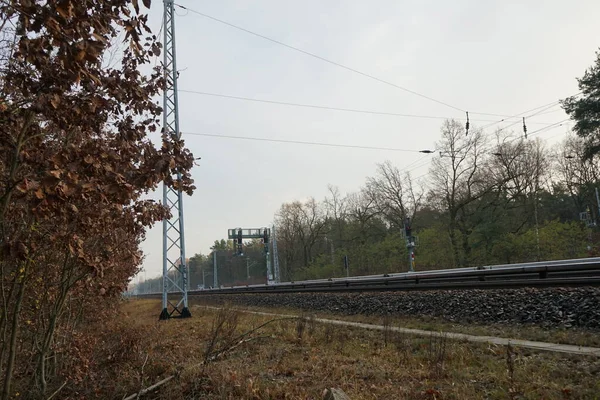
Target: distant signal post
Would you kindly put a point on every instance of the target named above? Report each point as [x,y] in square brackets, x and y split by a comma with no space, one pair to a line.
[410,244]
[239,234]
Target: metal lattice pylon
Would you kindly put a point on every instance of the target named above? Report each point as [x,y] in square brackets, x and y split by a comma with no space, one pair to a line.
[174,296]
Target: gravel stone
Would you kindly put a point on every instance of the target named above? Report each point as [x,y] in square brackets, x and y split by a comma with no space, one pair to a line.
[550,307]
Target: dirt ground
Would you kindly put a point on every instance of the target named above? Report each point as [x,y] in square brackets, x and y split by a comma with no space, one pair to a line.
[226,354]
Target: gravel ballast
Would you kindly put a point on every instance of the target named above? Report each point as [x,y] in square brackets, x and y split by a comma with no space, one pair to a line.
[552,307]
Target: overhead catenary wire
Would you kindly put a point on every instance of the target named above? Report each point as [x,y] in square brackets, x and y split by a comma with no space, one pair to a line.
[344,66]
[314,106]
[415,165]
[307,143]
[549,105]
[405,169]
[421,164]
[541,109]
[418,163]
[537,109]
[541,130]
[550,127]
[558,134]
[536,132]
[505,118]
[320,58]
[550,112]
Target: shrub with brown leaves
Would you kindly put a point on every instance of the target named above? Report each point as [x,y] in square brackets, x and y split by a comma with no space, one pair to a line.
[75,163]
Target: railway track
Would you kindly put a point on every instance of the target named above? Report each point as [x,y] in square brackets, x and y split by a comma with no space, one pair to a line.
[561,273]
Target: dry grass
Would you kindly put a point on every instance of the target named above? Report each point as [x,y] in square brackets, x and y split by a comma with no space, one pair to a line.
[574,336]
[298,358]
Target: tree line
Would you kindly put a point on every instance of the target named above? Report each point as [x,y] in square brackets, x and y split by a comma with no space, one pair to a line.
[486,200]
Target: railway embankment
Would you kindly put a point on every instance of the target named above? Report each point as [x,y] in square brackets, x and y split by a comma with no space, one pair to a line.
[547,307]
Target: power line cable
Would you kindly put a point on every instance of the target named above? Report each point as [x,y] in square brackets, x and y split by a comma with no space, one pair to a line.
[345,66]
[405,169]
[553,136]
[543,108]
[328,61]
[538,131]
[303,142]
[408,168]
[415,167]
[421,176]
[338,145]
[551,111]
[547,128]
[320,58]
[354,110]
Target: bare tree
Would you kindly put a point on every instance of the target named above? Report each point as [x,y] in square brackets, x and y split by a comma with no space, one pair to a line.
[337,208]
[458,180]
[313,223]
[519,166]
[299,225]
[577,174]
[394,194]
[362,208]
[287,223]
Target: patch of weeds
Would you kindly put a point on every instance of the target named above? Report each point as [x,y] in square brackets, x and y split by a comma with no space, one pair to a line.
[513,392]
[312,325]
[281,328]
[222,333]
[387,331]
[403,346]
[342,336]
[300,327]
[328,333]
[436,354]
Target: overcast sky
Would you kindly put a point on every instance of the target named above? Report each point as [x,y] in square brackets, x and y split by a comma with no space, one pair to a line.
[498,57]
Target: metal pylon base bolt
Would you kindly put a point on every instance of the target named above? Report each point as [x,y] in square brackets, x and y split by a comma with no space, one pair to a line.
[164,314]
[185,313]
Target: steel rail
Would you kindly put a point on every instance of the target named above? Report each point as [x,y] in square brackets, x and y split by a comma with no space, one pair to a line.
[568,273]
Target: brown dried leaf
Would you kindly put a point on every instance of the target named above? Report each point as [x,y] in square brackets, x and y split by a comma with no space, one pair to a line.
[64,12]
[22,187]
[55,101]
[99,37]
